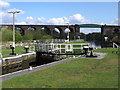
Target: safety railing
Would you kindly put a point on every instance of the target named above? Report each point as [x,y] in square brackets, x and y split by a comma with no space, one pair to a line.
[62,48]
[115,45]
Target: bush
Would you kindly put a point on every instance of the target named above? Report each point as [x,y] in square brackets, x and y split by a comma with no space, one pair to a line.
[40,34]
[28,35]
[18,36]
[37,34]
[47,37]
[7,35]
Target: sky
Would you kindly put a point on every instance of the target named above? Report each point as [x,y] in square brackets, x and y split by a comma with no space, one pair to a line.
[59,13]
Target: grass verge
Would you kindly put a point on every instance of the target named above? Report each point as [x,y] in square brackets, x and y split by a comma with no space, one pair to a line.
[78,73]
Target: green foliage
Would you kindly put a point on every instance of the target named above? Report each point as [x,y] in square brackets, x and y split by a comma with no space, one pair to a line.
[28,35]
[47,37]
[0,36]
[82,36]
[7,35]
[94,37]
[18,36]
[39,34]
[116,38]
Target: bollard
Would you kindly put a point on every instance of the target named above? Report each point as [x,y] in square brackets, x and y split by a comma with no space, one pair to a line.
[85,48]
[91,53]
[26,48]
[11,47]
[30,68]
[73,56]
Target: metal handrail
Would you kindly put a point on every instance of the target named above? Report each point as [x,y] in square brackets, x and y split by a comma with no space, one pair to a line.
[1,58]
[114,44]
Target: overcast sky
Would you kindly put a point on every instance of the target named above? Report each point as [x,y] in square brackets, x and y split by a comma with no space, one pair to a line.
[61,12]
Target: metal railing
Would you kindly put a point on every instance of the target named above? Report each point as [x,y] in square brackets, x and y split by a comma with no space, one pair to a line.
[52,47]
[114,44]
[1,59]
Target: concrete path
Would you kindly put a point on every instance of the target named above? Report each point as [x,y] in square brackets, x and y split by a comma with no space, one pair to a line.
[41,67]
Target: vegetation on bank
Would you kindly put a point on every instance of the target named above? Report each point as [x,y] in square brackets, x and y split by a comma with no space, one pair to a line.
[96,36]
[7,35]
[77,42]
[78,73]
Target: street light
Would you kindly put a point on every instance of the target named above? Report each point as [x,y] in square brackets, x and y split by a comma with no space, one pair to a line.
[106,39]
[68,32]
[13,12]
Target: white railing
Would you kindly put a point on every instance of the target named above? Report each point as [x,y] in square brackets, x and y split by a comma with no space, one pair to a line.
[31,48]
[1,58]
[114,44]
[77,40]
[59,47]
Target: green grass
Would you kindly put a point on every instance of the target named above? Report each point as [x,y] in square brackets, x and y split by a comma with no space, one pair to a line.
[18,50]
[78,73]
[76,42]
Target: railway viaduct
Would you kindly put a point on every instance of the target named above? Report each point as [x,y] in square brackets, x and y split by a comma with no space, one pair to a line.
[106,30]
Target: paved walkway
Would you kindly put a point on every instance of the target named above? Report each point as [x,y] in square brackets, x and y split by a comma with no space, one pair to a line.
[41,67]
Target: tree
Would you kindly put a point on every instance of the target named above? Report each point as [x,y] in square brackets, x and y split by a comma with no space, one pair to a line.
[7,35]
[28,35]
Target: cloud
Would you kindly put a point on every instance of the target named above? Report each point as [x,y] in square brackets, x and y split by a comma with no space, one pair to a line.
[41,20]
[5,17]
[30,20]
[20,23]
[78,18]
[116,21]
[4,5]
[57,21]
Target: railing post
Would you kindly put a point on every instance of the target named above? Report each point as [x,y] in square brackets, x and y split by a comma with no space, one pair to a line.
[60,48]
[113,45]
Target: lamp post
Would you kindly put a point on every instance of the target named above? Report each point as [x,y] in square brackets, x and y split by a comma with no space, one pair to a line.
[13,12]
[68,32]
[106,39]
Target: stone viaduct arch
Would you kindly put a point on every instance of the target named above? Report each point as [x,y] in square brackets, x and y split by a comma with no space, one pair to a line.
[106,30]
[49,28]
